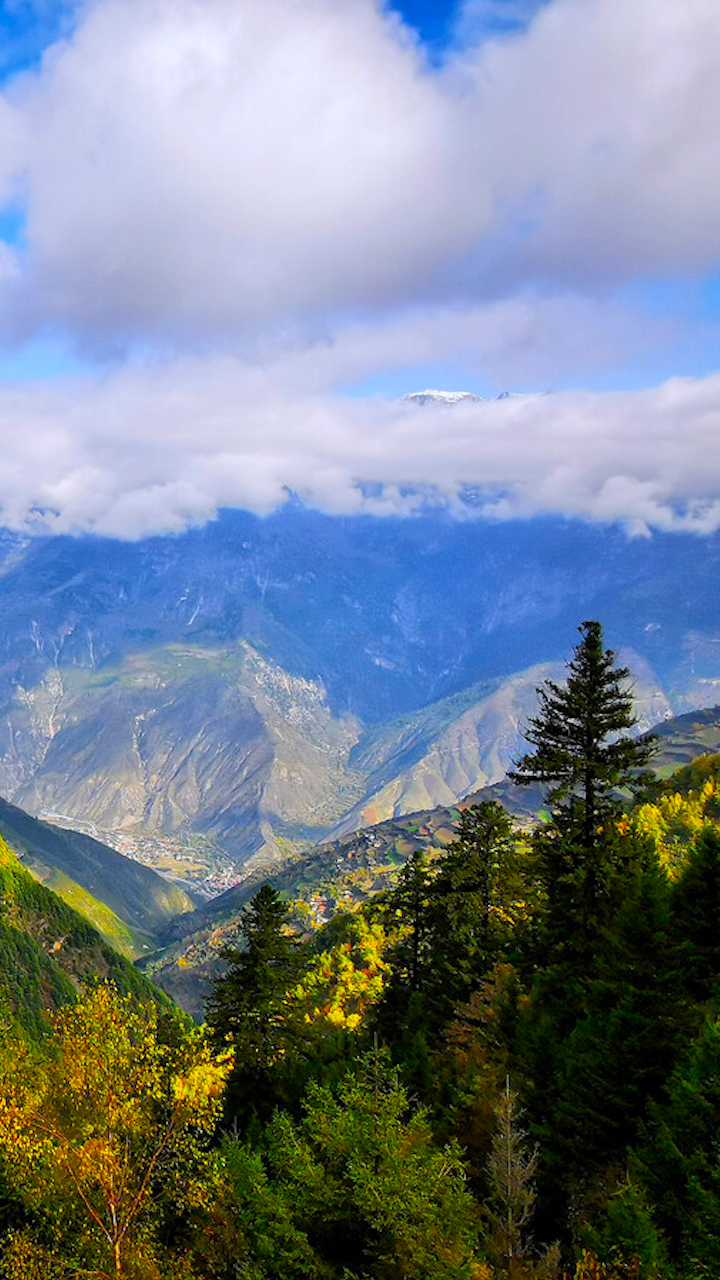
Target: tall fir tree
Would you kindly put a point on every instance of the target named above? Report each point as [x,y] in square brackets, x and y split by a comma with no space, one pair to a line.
[594,1040]
[471,917]
[250,1009]
[584,755]
[583,752]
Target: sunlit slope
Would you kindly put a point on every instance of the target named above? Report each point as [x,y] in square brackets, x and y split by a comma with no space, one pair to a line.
[685,737]
[126,901]
[49,952]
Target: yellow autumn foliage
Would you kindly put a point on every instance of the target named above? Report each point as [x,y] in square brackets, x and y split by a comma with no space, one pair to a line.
[110,1120]
[674,822]
[342,983]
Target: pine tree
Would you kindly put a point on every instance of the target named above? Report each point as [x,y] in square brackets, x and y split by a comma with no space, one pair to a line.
[405,1011]
[409,907]
[455,923]
[696,918]
[471,917]
[478,866]
[583,753]
[511,1171]
[249,1005]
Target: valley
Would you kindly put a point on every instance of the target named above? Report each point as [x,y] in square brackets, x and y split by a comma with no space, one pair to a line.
[233,704]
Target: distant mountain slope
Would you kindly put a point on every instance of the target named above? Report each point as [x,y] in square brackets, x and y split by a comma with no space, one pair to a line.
[223,744]
[48,952]
[438,755]
[188,740]
[261,683]
[685,737]
[127,902]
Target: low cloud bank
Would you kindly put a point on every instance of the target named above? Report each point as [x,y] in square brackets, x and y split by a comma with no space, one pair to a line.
[156,449]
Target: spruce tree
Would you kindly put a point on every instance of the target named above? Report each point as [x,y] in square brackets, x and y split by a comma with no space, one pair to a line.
[595,1037]
[409,906]
[583,752]
[249,1007]
[471,917]
[407,1011]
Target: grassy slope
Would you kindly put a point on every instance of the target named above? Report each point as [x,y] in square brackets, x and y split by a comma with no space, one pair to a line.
[125,900]
[684,738]
[48,952]
[129,942]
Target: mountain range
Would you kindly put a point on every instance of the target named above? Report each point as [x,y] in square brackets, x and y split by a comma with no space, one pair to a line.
[220,699]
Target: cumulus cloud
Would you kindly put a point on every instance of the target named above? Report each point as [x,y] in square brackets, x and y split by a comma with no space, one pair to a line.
[604,160]
[195,168]
[198,165]
[153,449]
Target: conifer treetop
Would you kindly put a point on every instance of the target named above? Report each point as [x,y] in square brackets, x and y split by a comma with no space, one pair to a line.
[583,750]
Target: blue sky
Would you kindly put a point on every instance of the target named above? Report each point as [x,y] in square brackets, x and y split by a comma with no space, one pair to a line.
[296,215]
[433,21]
[28,27]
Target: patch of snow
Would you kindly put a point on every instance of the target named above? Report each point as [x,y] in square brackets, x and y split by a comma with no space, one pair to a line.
[440,397]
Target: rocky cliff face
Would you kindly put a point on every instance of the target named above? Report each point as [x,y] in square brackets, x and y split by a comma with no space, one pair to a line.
[219,742]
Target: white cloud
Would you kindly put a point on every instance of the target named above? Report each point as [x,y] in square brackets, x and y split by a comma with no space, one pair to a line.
[198,165]
[526,339]
[603,156]
[153,449]
[289,182]
[199,168]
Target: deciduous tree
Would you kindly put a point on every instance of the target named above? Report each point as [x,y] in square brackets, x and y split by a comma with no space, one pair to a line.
[114,1124]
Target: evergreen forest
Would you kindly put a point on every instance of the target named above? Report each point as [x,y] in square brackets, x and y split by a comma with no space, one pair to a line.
[506,1067]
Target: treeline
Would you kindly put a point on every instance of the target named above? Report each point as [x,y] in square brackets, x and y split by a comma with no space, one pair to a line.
[507,1068]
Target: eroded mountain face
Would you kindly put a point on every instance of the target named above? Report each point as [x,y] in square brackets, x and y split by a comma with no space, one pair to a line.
[257,685]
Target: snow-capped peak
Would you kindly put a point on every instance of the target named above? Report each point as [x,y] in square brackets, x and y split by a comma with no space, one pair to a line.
[440,397]
[465,397]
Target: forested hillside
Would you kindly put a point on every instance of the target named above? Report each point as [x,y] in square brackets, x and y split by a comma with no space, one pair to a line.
[504,1067]
[49,952]
[343,874]
[127,902]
